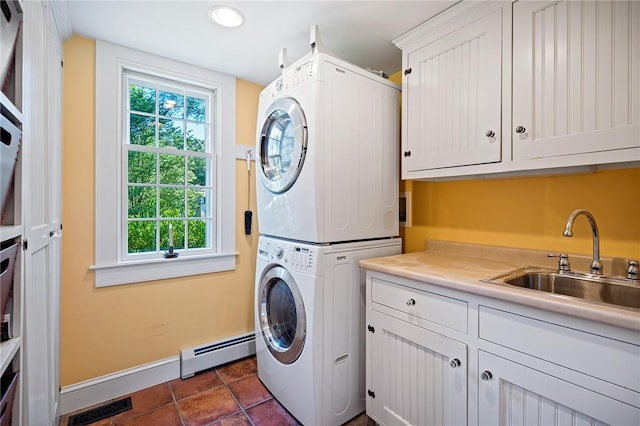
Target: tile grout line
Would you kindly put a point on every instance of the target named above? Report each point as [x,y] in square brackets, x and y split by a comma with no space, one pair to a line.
[175,401]
[236,399]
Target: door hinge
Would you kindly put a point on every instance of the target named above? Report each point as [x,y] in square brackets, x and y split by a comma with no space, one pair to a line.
[407,153]
[407,71]
[371,328]
[61,64]
[25,245]
[371,393]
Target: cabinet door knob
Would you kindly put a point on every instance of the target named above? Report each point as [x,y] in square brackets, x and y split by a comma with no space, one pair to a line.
[490,133]
[520,129]
[455,363]
[411,302]
[486,375]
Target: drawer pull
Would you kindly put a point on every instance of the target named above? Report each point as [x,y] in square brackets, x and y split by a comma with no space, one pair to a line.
[411,302]
[455,363]
[486,375]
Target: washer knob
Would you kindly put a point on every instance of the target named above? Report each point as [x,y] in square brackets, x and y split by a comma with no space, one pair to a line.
[279,252]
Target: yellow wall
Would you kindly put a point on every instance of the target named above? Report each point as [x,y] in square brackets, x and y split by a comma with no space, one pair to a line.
[531,212]
[110,329]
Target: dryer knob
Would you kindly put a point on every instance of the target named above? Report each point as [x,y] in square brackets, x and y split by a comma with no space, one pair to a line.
[279,252]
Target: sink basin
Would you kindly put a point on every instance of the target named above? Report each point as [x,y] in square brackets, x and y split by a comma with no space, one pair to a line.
[612,290]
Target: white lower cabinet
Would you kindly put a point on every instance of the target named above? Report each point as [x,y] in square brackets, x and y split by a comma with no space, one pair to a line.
[419,377]
[514,394]
[437,356]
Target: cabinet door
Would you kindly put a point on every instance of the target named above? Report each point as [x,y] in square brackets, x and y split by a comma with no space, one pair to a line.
[41,187]
[575,78]
[453,98]
[512,394]
[414,376]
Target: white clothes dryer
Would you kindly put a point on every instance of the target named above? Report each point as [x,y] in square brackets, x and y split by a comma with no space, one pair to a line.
[327,153]
[310,321]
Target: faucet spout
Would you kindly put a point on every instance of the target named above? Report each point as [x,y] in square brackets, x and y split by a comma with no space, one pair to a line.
[596,264]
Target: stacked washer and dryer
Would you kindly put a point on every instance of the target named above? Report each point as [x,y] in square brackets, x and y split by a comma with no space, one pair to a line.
[327,194]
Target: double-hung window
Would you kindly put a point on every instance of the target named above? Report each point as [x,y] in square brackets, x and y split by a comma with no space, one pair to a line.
[169,167]
[165,174]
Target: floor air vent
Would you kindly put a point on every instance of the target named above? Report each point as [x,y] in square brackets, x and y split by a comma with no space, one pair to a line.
[211,355]
[100,413]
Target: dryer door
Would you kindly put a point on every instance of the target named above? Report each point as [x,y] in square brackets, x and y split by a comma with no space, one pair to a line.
[282,315]
[282,144]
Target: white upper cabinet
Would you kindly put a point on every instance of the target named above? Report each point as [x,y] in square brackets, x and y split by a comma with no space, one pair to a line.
[452,101]
[521,87]
[453,98]
[575,78]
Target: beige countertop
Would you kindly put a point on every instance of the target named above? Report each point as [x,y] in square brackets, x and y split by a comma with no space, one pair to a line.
[462,266]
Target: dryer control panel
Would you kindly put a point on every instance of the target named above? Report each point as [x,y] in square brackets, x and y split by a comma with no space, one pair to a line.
[295,76]
[295,257]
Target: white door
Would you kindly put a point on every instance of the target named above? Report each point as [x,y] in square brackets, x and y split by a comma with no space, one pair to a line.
[282,145]
[513,394]
[575,77]
[454,98]
[41,213]
[416,377]
[54,160]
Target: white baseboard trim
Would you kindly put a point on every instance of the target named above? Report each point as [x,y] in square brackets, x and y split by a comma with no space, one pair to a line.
[101,389]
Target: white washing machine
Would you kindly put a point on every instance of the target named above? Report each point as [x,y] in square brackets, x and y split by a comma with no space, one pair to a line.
[327,150]
[310,315]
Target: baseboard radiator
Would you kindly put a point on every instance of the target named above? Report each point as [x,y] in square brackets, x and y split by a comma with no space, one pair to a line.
[198,358]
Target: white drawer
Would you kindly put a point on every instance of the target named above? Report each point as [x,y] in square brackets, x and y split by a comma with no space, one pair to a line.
[423,305]
[607,359]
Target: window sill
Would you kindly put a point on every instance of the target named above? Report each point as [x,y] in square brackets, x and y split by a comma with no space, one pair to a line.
[157,269]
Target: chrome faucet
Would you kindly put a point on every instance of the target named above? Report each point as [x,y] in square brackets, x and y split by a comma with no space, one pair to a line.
[596,264]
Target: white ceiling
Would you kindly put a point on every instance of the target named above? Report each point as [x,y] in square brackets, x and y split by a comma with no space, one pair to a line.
[357,31]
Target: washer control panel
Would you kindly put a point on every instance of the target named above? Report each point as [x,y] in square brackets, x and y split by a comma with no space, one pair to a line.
[291,255]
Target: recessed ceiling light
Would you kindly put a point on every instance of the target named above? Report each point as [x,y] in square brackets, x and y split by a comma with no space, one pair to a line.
[226,16]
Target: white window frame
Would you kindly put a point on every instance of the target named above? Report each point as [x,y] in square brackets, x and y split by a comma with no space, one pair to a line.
[111,265]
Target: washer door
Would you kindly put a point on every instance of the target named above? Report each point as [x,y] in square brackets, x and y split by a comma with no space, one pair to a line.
[282,315]
[282,144]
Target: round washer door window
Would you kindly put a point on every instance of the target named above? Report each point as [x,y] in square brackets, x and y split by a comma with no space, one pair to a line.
[282,144]
[282,315]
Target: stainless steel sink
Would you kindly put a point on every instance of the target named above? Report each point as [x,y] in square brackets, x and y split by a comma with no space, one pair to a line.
[605,289]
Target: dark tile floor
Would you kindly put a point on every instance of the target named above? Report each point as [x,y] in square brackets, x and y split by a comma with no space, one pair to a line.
[230,395]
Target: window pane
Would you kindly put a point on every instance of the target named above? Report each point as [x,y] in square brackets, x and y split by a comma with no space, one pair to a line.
[196,109]
[198,233]
[142,99]
[171,169]
[197,174]
[178,234]
[171,133]
[199,200]
[196,137]
[142,167]
[171,202]
[171,104]
[142,130]
[142,202]
[141,236]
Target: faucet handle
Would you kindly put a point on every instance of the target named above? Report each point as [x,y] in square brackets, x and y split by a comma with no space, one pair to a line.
[633,272]
[563,262]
